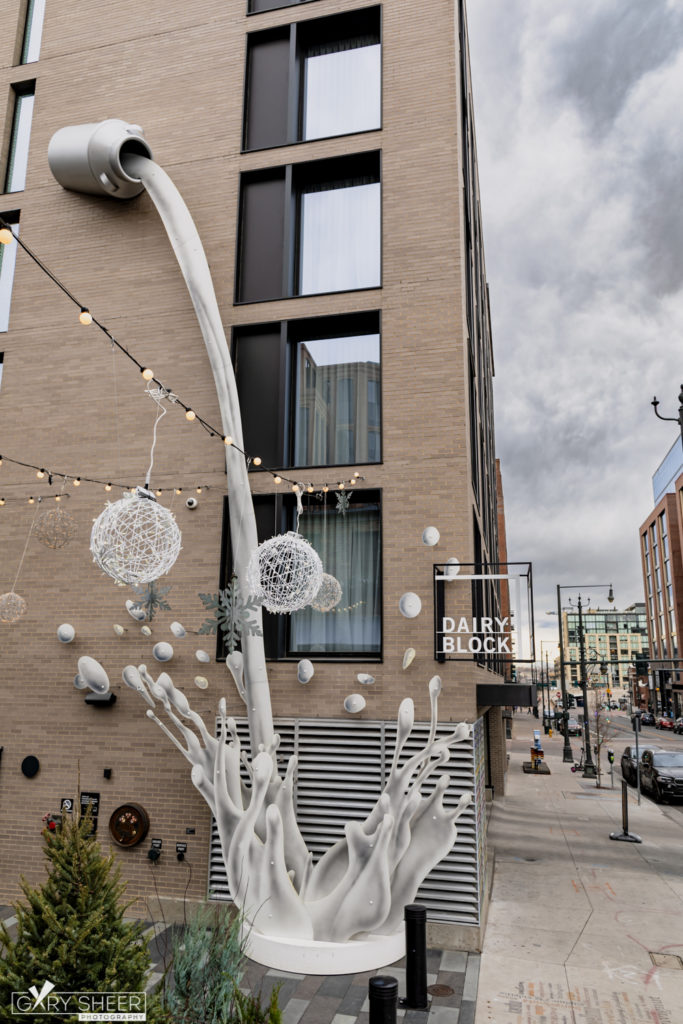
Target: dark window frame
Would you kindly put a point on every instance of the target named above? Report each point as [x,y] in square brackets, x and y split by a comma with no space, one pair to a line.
[279,508]
[272,244]
[295,40]
[275,6]
[283,365]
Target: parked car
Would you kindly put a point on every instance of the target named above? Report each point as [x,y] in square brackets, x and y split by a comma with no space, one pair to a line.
[678,725]
[573,727]
[661,773]
[628,763]
[647,718]
[664,722]
[613,706]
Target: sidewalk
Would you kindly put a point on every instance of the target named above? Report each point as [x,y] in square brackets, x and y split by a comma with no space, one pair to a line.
[575,917]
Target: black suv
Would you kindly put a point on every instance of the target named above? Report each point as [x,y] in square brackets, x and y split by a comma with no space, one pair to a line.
[661,773]
[628,763]
[647,718]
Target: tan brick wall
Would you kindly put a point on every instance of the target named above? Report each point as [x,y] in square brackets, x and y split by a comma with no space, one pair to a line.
[69,404]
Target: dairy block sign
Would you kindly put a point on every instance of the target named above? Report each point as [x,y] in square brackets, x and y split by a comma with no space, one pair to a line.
[486,635]
[483,613]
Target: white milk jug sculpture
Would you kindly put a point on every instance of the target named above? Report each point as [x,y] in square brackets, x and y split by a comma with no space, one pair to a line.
[345,912]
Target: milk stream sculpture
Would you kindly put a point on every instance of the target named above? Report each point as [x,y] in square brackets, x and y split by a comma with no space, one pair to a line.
[345,912]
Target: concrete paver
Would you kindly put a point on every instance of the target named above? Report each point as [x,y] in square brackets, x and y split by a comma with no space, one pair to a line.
[574,916]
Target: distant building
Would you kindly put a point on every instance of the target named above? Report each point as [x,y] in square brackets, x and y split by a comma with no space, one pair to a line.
[614,641]
[661,547]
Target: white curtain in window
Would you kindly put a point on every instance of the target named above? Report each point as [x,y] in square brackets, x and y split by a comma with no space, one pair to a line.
[8,258]
[342,92]
[349,546]
[340,239]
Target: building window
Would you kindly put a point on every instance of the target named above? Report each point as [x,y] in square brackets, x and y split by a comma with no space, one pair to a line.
[310,228]
[351,551]
[258,6]
[8,256]
[17,161]
[313,79]
[310,390]
[33,32]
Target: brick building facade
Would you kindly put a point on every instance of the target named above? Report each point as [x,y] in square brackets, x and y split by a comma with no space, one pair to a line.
[224,96]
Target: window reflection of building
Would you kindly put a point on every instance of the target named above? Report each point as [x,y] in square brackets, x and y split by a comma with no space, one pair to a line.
[337,402]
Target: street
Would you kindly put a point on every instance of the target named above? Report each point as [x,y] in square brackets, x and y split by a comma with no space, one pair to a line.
[619,735]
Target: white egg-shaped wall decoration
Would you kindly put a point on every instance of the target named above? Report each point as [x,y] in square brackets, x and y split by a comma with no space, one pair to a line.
[65,633]
[201,681]
[430,536]
[452,568]
[139,614]
[202,656]
[408,656]
[93,675]
[354,703]
[304,671]
[177,629]
[410,605]
[162,651]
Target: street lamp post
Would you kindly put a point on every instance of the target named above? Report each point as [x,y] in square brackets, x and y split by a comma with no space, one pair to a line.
[567,755]
[588,766]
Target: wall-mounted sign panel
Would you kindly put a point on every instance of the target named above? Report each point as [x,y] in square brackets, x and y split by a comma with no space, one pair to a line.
[484,613]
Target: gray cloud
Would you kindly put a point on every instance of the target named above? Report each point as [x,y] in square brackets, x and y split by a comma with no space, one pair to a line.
[580,152]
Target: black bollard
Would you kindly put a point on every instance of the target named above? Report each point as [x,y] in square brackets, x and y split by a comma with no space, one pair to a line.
[383,993]
[625,836]
[416,956]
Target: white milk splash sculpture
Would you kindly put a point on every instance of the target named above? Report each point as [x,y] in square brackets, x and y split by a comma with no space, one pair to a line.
[335,912]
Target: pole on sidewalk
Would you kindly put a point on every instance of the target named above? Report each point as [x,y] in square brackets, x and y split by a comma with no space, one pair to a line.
[625,836]
[415,917]
[383,996]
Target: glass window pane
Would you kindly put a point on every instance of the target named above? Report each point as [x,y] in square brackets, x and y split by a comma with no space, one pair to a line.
[342,92]
[340,239]
[8,256]
[349,546]
[334,401]
[33,34]
[21,135]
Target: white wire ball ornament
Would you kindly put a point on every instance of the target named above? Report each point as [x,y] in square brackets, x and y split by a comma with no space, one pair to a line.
[55,527]
[285,573]
[329,594]
[12,607]
[135,539]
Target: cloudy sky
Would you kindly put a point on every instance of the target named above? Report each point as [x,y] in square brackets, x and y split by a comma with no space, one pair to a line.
[579,121]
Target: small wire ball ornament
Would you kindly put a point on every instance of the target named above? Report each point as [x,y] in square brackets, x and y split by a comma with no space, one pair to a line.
[329,594]
[55,527]
[285,573]
[135,539]
[12,607]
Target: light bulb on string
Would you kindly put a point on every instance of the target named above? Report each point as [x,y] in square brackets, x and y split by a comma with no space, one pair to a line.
[2,501]
[198,490]
[295,488]
[58,497]
[107,487]
[277,479]
[257,460]
[6,236]
[227,440]
[179,490]
[342,485]
[310,488]
[77,481]
[325,488]
[40,474]
[85,316]
[147,374]
[190,415]
[31,501]
[158,492]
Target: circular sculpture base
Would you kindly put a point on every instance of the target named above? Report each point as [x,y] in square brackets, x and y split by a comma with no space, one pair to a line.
[306,956]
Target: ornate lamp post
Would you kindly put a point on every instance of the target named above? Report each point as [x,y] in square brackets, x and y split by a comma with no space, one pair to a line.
[589,767]
[672,419]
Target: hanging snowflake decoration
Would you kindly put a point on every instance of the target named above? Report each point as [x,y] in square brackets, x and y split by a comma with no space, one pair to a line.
[329,594]
[135,540]
[12,607]
[151,599]
[343,499]
[285,572]
[55,528]
[231,614]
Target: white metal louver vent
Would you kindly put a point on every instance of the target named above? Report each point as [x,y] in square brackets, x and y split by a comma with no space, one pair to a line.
[341,770]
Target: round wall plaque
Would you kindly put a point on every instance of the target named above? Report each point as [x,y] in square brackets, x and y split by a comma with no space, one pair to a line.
[129,824]
[30,766]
